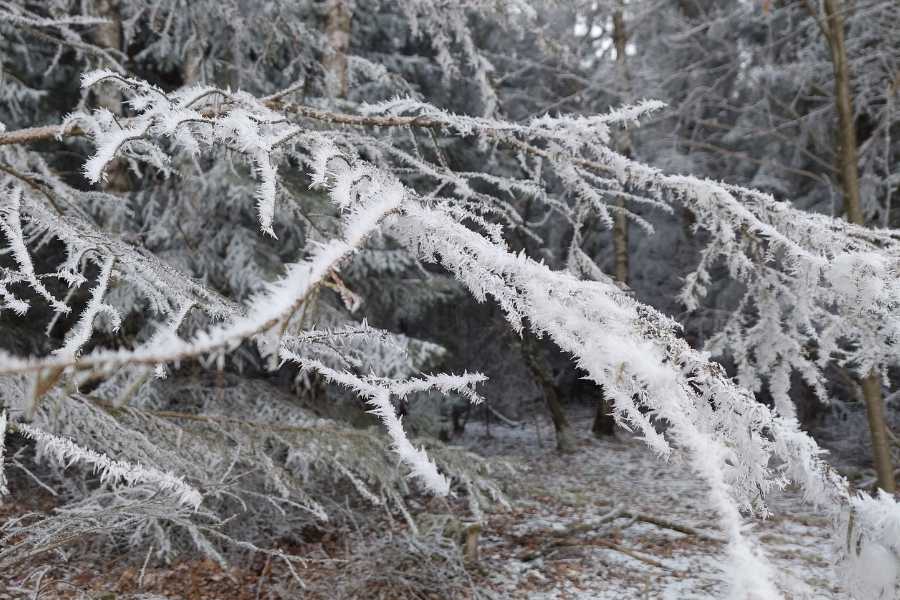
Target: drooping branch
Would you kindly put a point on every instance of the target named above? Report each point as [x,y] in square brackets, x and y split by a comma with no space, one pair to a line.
[280,300]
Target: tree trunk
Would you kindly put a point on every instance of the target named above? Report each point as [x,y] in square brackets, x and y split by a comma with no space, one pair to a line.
[620,228]
[847,159]
[109,35]
[337,31]
[849,174]
[192,67]
[604,424]
[881,448]
[620,243]
[530,352]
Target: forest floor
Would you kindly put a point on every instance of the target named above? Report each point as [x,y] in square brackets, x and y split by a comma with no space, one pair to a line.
[545,548]
[610,521]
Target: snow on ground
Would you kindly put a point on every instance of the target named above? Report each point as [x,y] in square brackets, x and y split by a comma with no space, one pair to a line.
[522,557]
[548,546]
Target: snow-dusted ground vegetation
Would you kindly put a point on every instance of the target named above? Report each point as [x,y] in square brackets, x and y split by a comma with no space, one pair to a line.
[426,299]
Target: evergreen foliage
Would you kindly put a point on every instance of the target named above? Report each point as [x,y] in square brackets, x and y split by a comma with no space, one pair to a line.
[195,236]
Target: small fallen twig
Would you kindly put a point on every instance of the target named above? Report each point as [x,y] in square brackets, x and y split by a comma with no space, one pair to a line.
[631,553]
[569,536]
[558,543]
[503,417]
[680,528]
[580,527]
[621,513]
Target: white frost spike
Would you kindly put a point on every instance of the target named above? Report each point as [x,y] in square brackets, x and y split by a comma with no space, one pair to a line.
[91,78]
[860,277]
[81,332]
[873,567]
[378,394]
[167,334]
[415,458]
[67,452]
[250,134]
[462,384]
[265,195]
[322,153]
[109,136]
[252,128]
[279,300]
[11,226]
[874,572]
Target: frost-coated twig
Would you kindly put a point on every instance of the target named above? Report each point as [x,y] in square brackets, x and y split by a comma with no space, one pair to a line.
[378,394]
[674,526]
[11,226]
[81,332]
[279,300]
[114,471]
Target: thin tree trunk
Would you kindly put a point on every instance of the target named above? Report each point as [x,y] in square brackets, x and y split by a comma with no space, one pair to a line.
[620,228]
[847,159]
[337,31]
[604,424]
[881,447]
[109,35]
[530,352]
[192,67]
[849,173]
[620,243]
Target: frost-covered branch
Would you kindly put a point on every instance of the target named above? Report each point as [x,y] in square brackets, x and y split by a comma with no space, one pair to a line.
[636,353]
[113,471]
[279,301]
[378,393]
[809,280]
[81,332]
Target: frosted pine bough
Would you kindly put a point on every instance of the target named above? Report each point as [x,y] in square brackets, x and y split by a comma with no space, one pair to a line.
[742,449]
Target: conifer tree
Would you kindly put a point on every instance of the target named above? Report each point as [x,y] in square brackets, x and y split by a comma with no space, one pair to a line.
[199,201]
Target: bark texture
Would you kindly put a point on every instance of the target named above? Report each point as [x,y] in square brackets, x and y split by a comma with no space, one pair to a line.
[337,31]
[604,424]
[531,355]
[620,228]
[109,35]
[849,173]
